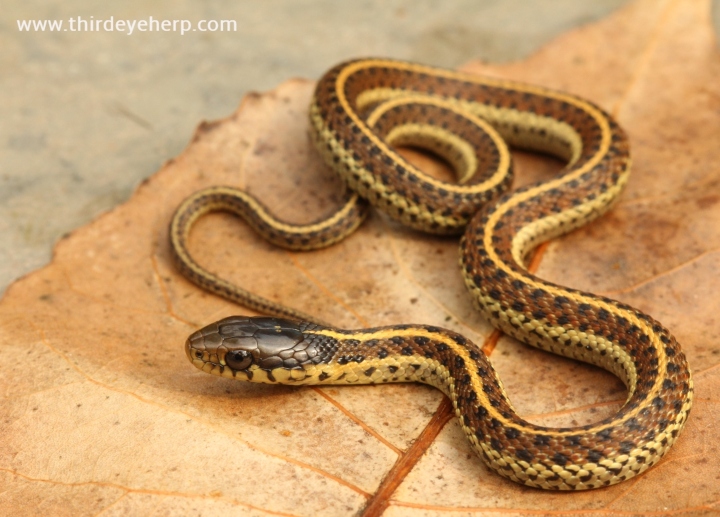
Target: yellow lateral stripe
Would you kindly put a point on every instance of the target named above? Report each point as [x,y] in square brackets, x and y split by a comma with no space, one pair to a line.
[354,67]
[476,381]
[503,151]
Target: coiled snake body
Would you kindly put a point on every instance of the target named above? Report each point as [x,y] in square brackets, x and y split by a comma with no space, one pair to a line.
[359,110]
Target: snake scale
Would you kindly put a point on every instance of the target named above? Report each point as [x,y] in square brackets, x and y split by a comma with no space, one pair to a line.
[362,110]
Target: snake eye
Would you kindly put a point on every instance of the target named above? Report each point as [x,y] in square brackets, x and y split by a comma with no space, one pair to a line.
[238,359]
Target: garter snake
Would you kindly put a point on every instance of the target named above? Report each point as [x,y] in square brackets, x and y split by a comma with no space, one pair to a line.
[360,109]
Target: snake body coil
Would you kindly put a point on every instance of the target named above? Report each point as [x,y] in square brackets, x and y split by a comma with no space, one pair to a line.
[362,107]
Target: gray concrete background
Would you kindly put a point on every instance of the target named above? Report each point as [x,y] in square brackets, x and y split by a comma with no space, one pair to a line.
[85,116]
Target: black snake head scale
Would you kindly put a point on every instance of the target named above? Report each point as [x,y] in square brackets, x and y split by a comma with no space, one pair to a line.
[244,344]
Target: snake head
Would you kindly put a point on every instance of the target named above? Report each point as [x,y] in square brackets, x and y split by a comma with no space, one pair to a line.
[240,344]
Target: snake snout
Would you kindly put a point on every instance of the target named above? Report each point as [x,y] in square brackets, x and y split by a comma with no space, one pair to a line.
[203,345]
[189,351]
[195,348]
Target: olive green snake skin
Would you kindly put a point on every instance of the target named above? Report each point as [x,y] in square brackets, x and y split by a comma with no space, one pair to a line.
[361,109]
